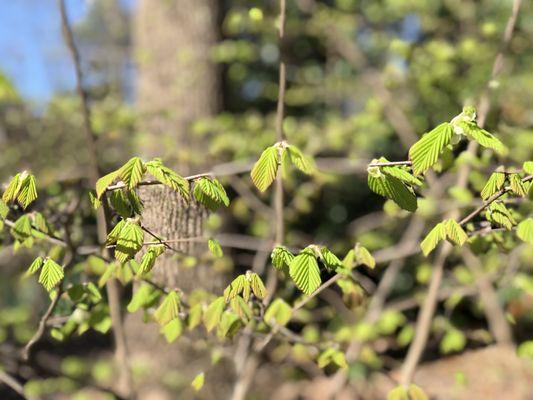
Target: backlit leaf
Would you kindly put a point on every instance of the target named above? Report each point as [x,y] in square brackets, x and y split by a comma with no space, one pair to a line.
[168,309]
[304,271]
[265,169]
[433,238]
[425,153]
[51,274]
[494,183]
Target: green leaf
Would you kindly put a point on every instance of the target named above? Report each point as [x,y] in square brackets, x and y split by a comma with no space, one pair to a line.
[363,256]
[257,285]
[454,232]
[416,393]
[168,309]
[241,308]
[143,297]
[215,248]
[104,182]
[399,172]
[300,161]
[148,259]
[394,189]
[454,340]
[524,230]
[237,286]
[304,271]
[425,153]
[517,186]
[499,214]
[129,241]
[433,238]
[51,274]
[281,257]
[332,356]
[278,313]
[398,393]
[195,316]
[132,172]
[213,313]
[198,382]
[168,177]
[495,183]
[4,209]
[22,228]
[229,325]
[28,191]
[210,193]
[172,330]
[35,265]
[13,188]
[528,167]
[484,138]
[265,169]
[331,261]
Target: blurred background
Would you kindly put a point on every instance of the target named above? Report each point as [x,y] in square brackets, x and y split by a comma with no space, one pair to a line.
[195,82]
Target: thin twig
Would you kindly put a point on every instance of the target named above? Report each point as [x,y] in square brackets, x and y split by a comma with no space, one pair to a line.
[390,163]
[11,382]
[102,215]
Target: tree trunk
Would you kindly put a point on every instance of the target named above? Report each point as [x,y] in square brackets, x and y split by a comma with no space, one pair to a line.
[177,85]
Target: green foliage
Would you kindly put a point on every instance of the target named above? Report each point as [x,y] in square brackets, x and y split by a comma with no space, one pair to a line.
[454,340]
[148,258]
[128,238]
[448,229]
[304,271]
[210,193]
[21,189]
[168,177]
[425,153]
[528,167]
[484,138]
[132,172]
[498,213]
[495,182]
[198,382]
[524,230]
[143,297]
[281,257]
[278,313]
[265,169]
[213,314]
[51,274]
[215,248]
[169,309]
[392,188]
[412,392]
[332,356]
[172,330]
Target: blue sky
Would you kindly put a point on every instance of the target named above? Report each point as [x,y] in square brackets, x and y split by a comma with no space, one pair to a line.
[33,54]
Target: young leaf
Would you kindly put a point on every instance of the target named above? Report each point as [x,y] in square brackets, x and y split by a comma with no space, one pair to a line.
[129,241]
[104,182]
[12,190]
[148,259]
[454,232]
[132,172]
[215,248]
[332,356]
[265,169]
[172,330]
[168,309]
[278,313]
[425,153]
[194,317]
[300,161]
[528,167]
[393,189]
[168,177]
[198,382]
[143,297]
[213,313]
[363,256]
[331,261]
[22,228]
[4,209]
[35,265]
[237,286]
[28,191]
[281,257]
[499,214]
[400,173]
[433,238]
[494,183]
[210,193]
[304,271]
[398,393]
[241,308]
[51,274]
[484,138]
[517,186]
[416,393]
[257,285]
[524,230]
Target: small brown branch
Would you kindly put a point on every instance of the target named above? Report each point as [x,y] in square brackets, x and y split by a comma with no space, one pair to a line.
[26,351]
[11,382]
[389,163]
[46,236]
